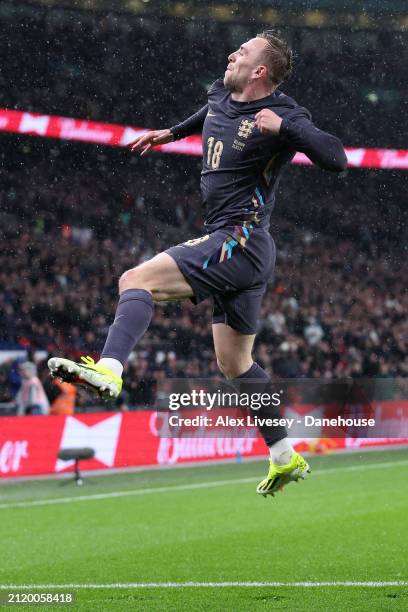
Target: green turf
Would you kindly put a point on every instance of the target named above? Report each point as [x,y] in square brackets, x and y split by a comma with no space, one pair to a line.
[347,522]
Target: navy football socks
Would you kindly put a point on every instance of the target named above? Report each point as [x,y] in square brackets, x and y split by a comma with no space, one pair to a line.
[255,372]
[271,435]
[132,318]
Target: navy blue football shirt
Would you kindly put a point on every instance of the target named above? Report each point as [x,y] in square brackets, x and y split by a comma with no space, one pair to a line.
[241,166]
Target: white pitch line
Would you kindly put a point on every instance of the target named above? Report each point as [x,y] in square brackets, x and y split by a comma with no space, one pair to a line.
[185,487]
[183,585]
[131,493]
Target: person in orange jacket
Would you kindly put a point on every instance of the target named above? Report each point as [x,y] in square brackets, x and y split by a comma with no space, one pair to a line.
[64,402]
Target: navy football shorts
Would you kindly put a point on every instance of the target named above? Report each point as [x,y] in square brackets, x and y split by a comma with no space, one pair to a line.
[233,266]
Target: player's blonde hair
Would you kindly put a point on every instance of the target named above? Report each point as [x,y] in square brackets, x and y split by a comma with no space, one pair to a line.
[278,57]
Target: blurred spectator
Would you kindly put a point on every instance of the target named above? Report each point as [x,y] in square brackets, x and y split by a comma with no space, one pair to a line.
[64,402]
[313,332]
[31,397]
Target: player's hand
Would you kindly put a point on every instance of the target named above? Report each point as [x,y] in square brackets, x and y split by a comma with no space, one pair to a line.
[267,121]
[147,141]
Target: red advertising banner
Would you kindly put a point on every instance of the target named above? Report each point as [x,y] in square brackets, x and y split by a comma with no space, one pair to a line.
[30,445]
[65,128]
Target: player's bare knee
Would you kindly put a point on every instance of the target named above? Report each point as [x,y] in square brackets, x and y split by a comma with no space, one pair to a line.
[133,279]
[126,281]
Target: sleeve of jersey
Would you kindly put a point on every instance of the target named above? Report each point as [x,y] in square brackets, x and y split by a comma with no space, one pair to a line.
[191,125]
[322,148]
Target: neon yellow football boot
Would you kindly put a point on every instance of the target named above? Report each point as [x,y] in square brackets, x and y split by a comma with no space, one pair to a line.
[99,379]
[281,475]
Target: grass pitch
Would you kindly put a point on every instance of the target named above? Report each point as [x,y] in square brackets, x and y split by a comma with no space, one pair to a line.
[119,534]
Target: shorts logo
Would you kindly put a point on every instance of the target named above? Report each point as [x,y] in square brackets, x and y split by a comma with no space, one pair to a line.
[196,241]
[245,128]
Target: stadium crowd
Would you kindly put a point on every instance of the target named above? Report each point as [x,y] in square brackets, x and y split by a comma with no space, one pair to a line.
[337,306]
[74,217]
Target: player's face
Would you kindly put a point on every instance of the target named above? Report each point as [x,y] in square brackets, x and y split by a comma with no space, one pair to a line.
[243,64]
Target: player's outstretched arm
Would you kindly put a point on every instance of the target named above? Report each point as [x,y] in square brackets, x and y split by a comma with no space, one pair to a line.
[298,131]
[143,144]
[191,125]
